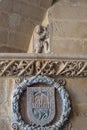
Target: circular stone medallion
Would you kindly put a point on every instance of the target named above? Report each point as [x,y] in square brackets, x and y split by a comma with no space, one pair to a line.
[47,104]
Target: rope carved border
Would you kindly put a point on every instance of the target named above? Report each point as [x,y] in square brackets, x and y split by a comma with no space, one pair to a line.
[66,108]
[49,67]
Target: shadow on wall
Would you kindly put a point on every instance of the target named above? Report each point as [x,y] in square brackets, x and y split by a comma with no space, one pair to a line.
[54,1]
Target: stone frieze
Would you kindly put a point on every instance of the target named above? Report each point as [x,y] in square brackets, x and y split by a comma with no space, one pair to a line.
[42,65]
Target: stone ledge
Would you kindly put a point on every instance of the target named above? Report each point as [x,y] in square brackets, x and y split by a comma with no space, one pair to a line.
[28,56]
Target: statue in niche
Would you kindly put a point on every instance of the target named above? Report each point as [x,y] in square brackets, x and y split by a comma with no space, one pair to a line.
[41,39]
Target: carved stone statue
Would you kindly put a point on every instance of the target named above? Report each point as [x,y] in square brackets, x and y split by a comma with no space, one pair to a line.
[41,39]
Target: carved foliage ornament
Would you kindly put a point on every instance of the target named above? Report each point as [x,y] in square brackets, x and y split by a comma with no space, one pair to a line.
[46,110]
[64,68]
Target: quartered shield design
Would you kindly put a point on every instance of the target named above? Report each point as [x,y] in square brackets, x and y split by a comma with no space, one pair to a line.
[41,104]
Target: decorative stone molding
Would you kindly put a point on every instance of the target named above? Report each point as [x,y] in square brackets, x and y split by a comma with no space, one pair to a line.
[14,126]
[30,65]
[16,116]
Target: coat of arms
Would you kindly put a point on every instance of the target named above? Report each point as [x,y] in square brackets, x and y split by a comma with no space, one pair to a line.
[41,104]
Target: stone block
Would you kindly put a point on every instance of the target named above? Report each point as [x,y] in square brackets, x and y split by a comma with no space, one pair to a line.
[10,49]
[3,19]
[68,47]
[4,124]
[19,23]
[26,26]
[79,123]
[67,13]
[3,36]
[5,90]
[5,110]
[6,5]
[18,40]
[34,2]
[28,10]
[73,2]
[78,92]
[69,29]
[85,46]
[45,3]
[14,20]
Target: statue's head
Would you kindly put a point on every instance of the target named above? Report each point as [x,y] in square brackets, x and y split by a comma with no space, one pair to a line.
[38,29]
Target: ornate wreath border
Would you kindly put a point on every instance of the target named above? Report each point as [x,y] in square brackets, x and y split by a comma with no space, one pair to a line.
[66,108]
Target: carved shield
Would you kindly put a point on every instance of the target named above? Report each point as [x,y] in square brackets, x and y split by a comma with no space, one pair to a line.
[41,104]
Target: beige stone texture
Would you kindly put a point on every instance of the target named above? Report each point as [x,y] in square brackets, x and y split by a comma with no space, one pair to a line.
[27,10]
[17,39]
[82,3]
[69,29]
[3,20]
[4,124]
[45,4]
[77,89]
[67,12]
[6,88]
[68,23]
[6,5]
[69,47]
[3,36]
[20,16]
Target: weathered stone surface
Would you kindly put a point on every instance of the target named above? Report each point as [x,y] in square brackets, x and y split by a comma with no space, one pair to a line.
[82,3]
[78,91]
[6,86]
[45,3]
[3,19]
[14,20]
[6,5]
[19,16]
[69,46]
[68,13]
[4,124]
[69,29]
[3,36]
[10,49]
[68,23]
[26,26]
[5,90]
[79,123]
[34,12]
[18,40]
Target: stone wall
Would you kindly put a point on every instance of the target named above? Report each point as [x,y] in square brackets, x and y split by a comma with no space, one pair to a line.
[68,22]
[68,26]
[17,21]
[6,86]
[77,90]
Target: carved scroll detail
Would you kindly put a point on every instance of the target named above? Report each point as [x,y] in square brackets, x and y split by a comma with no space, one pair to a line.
[14,126]
[43,67]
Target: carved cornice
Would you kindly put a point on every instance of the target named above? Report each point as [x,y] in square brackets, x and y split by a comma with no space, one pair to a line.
[15,65]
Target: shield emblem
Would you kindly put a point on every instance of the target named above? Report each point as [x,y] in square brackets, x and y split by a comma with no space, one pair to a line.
[41,104]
